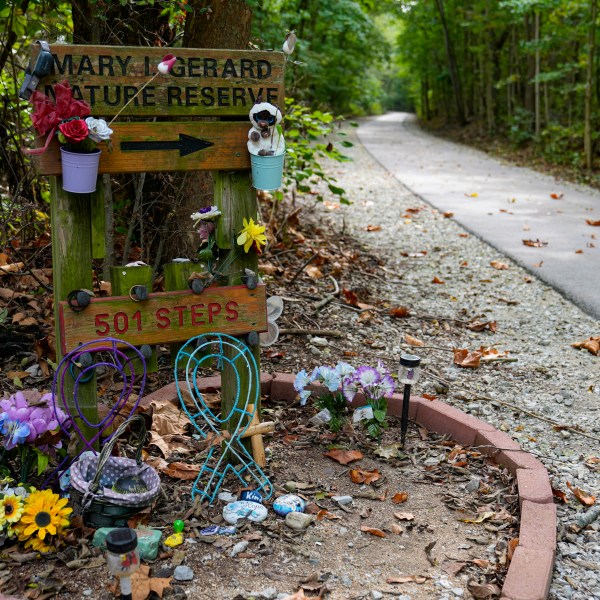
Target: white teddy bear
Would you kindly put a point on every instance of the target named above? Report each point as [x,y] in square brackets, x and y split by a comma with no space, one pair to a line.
[263,137]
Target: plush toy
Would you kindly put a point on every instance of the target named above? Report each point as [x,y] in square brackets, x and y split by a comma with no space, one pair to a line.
[263,137]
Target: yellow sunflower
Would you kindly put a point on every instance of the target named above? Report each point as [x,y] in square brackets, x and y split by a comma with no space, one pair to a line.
[11,508]
[44,513]
[38,545]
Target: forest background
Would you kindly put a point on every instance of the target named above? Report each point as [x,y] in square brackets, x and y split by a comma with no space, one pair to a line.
[519,74]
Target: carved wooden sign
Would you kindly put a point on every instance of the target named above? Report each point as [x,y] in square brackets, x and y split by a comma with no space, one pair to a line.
[202,82]
[165,317]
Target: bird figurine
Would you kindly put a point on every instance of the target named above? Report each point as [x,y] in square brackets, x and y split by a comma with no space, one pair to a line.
[290,42]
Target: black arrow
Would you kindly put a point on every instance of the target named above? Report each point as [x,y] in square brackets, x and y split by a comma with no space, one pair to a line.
[186,144]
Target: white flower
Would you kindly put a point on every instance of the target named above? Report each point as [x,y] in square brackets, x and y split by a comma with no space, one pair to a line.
[205,214]
[99,129]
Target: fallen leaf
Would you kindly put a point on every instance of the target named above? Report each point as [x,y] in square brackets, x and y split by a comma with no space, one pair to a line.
[399,312]
[579,251]
[142,585]
[560,495]
[473,195]
[535,243]
[351,297]
[391,451]
[556,196]
[481,563]
[344,456]
[429,553]
[499,265]
[538,265]
[400,497]
[448,214]
[481,326]
[512,546]
[584,498]
[373,228]
[593,223]
[396,529]
[366,477]
[325,514]
[464,358]
[463,235]
[314,272]
[480,519]
[407,579]
[413,341]
[453,567]
[592,345]
[404,516]
[373,531]
[483,591]
[179,470]
[437,280]
[17,374]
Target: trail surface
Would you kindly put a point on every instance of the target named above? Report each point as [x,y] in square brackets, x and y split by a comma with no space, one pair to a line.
[502,204]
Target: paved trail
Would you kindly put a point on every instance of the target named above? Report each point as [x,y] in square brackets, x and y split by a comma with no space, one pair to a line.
[500,203]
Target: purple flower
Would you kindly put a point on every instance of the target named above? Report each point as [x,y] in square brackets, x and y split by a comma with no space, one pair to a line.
[367,376]
[350,387]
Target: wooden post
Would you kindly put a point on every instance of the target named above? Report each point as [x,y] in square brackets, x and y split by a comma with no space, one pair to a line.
[72,270]
[236,199]
[176,278]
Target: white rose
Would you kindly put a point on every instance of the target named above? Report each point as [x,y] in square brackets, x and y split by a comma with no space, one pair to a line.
[99,130]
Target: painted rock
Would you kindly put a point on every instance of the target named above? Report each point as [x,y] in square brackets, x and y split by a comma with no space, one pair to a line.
[242,509]
[287,504]
[298,520]
[251,496]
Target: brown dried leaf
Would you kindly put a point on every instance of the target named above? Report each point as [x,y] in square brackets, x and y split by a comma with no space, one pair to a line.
[367,477]
[404,516]
[466,359]
[400,497]
[413,341]
[396,529]
[584,498]
[314,272]
[560,495]
[499,265]
[512,546]
[481,325]
[556,196]
[373,228]
[483,591]
[436,279]
[351,297]
[179,470]
[453,567]
[535,243]
[142,585]
[448,214]
[399,312]
[325,514]
[592,345]
[373,531]
[481,518]
[593,223]
[344,456]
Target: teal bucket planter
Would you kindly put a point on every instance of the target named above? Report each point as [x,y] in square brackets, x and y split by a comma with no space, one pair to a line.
[267,171]
[79,171]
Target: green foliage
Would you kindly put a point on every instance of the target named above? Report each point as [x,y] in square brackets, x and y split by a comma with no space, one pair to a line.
[337,406]
[378,423]
[308,138]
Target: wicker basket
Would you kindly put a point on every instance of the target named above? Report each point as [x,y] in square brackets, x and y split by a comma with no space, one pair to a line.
[92,478]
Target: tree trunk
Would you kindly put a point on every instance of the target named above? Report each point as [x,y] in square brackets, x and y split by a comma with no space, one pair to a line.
[589,86]
[452,66]
[209,24]
[538,125]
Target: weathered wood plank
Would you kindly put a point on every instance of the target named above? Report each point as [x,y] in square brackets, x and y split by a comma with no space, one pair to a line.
[165,316]
[72,260]
[203,82]
[227,151]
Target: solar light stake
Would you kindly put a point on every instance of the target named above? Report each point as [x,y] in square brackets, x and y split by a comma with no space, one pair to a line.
[408,373]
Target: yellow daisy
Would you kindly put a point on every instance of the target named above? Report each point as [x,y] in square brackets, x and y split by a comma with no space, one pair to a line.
[44,513]
[252,233]
[11,507]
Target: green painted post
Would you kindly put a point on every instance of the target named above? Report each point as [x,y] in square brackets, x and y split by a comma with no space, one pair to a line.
[236,199]
[72,270]
[98,220]
[123,279]
[176,278]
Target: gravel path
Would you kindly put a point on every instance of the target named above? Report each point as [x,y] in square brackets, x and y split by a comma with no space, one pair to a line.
[535,327]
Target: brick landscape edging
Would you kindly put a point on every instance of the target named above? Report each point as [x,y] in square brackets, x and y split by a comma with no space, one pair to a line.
[530,571]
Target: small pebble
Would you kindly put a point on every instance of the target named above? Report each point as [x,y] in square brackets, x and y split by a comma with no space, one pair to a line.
[183,573]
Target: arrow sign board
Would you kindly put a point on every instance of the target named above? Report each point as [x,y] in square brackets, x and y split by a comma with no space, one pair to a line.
[202,82]
[165,316]
[168,146]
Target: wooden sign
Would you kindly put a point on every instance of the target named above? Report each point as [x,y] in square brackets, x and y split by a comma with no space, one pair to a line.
[165,317]
[168,146]
[202,82]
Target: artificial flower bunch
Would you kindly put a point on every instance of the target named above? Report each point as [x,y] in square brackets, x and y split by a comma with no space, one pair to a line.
[204,220]
[83,135]
[28,431]
[37,517]
[343,382]
[252,235]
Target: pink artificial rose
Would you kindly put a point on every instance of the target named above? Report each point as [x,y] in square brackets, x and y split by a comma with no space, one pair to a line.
[75,131]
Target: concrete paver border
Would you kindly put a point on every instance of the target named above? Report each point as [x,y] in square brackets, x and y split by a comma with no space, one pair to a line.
[530,571]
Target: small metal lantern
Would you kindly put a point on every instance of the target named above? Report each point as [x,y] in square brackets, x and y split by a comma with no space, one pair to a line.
[408,374]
